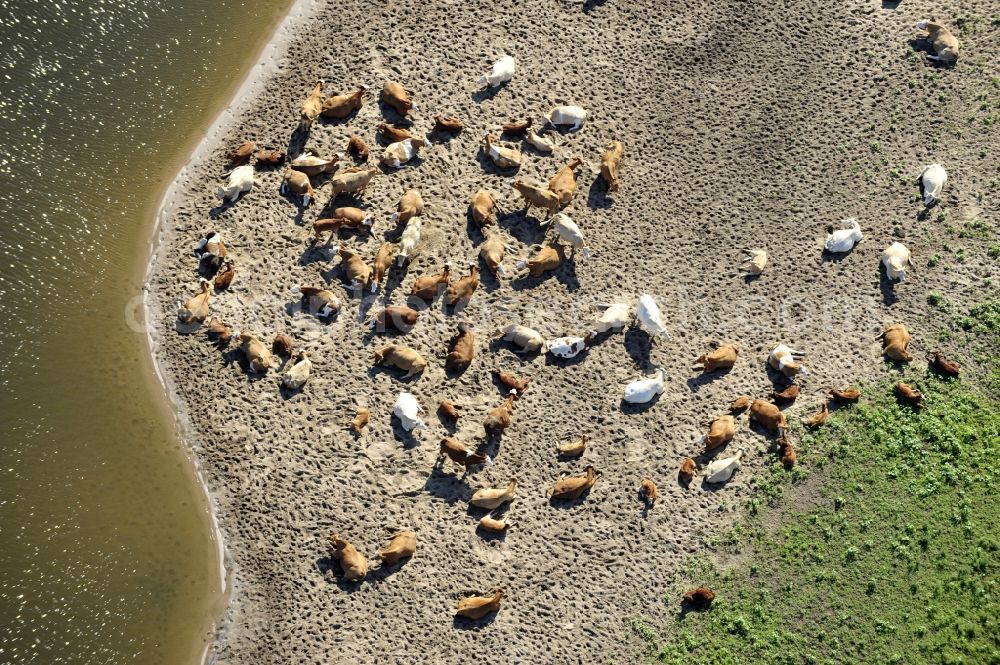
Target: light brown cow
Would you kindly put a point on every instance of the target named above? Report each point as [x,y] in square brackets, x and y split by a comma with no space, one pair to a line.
[944,43]
[536,196]
[477,607]
[463,348]
[483,207]
[769,416]
[410,205]
[358,272]
[354,565]
[499,418]
[352,181]
[358,149]
[311,107]
[298,183]
[563,183]
[610,160]
[401,546]
[573,487]
[394,317]
[429,287]
[401,357]
[196,308]
[895,340]
[723,357]
[447,124]
[461,291]
[548,258]
[492,253]
[720,432]
[339,107]
[383,261]
[395,96]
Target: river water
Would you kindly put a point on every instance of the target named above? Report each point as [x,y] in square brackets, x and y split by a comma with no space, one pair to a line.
[106,546]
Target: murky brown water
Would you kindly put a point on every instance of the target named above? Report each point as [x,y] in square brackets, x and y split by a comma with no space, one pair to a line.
[106,554]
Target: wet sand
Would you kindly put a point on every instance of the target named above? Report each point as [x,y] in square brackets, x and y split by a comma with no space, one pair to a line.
[743,128]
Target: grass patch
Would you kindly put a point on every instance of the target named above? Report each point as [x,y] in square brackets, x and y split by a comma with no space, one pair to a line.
[981,328]
[881,547]
[977,229]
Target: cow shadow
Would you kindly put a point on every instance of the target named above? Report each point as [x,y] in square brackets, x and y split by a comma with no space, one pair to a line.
[217,211]
[520,226]
[556,361]
[182,328]
[328,568]
[392,116]
[836,257]
[316,252]
[598,195]
[325,121]
[569,504]
[287,393]
[446,486]
[695,383]
[462,623]
[400,433]
[639,346]
[565,274]
[629,408]
[437,135]
[887,287]
[525,358]
[297,141]
[480,96]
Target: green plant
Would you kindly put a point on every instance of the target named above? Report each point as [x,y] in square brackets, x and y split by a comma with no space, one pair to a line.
[897,561]
[975,229]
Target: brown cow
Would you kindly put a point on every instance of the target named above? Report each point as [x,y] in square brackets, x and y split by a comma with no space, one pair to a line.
[463,347]
[895,340]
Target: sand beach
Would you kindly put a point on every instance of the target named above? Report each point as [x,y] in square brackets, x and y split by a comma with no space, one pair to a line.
[744,126]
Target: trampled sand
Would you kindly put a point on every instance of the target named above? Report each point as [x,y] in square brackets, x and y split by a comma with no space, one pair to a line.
[746,125]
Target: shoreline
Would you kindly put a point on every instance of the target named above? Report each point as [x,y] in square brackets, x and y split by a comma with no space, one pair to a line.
[280,471]
[262,66]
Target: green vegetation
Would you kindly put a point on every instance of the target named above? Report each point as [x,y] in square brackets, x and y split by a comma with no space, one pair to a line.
[969,24]
[975,229]
[982,332]
[881,546]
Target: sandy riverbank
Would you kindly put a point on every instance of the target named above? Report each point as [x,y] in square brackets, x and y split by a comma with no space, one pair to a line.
[743,128]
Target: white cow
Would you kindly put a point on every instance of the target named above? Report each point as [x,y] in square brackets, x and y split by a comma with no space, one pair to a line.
[240,182]
[503,71]
[647,313]
[567,115]
[409,240]
[844,240]
[896,258]
[932,180]
[407,409]
[641,391]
